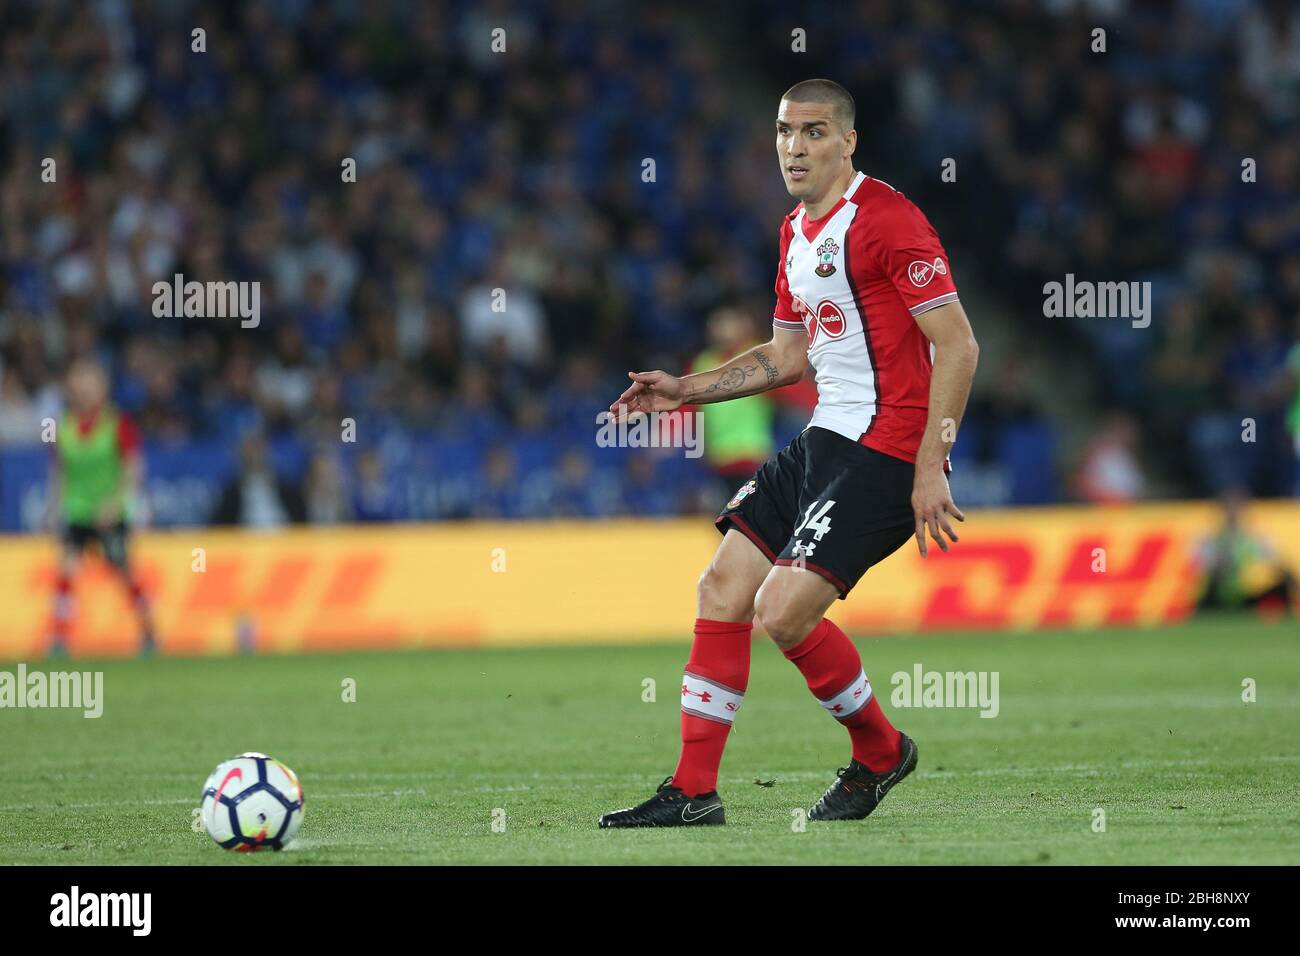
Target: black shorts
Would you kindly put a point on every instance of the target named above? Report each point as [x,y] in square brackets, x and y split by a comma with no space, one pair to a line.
[111,541]
[828,504]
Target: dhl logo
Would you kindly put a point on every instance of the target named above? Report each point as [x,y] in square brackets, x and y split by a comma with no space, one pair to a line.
[295,600]
[535,583]
[1015,582]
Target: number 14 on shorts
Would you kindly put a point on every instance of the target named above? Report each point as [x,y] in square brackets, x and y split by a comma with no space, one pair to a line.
[819,523]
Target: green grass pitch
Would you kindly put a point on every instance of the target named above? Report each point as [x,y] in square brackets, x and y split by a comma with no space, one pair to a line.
[1147,725]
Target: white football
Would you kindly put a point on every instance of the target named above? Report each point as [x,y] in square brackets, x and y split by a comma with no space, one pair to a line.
[252,802]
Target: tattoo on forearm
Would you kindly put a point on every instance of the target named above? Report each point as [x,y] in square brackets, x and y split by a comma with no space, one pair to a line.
[728,381]
[733,379]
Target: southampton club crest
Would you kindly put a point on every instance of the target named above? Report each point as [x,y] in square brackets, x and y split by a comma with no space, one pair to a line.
[745,490]
[826,254]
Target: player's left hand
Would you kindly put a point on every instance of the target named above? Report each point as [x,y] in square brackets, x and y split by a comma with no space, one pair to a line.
[655,391]
[932,504]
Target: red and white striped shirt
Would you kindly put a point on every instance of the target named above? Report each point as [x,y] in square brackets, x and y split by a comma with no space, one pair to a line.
[854,280]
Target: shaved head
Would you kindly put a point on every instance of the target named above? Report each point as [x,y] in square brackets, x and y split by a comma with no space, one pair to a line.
[815,140]
[828,92]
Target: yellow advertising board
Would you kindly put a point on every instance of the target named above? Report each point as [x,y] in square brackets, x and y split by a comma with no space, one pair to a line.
[599,582]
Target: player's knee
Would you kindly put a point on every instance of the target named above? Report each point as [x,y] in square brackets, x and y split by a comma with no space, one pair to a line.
[723,596]
[785,622]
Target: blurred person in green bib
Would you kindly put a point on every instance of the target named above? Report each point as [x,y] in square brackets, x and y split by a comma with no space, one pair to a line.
[737,434]
[95,474]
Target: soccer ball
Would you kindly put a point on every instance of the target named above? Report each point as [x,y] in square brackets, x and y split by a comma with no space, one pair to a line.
[252,802]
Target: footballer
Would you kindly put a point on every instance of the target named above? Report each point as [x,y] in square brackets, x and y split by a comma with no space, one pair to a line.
[95,473]
[864,291]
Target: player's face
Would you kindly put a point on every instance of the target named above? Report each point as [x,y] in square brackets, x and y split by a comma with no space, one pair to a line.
[86,389]
[811,147]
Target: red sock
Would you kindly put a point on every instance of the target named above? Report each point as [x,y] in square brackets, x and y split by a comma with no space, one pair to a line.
[830,664]
[141,604]
[712,689]
[62,609]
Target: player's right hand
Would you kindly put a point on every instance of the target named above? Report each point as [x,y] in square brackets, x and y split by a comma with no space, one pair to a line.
[649,392]
[932,504]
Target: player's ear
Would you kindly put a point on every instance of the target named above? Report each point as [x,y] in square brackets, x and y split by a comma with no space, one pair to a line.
[850,142]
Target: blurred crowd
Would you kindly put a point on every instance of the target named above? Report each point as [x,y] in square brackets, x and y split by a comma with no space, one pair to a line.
[609,177]
[1164,149]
